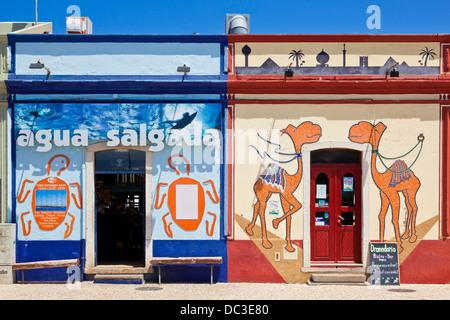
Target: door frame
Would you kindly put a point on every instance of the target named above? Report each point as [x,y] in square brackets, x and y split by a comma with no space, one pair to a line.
[91,243]
[366,154]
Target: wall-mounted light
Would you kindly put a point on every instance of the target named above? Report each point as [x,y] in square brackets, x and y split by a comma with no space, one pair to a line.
[394,73]
[184,69]
[289,73]
[39,65]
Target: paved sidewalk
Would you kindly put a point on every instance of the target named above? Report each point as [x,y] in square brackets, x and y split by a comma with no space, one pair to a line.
[220,291]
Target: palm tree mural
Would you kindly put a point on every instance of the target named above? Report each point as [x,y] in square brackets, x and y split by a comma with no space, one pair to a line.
[427,53]
[297,55]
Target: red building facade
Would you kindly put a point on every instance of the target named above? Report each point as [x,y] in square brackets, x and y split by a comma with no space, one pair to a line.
[340,141]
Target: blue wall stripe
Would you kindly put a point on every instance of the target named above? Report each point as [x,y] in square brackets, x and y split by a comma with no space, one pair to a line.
[13,38]
[155,78]
[191,248]
[29,251]
[147,87]
[117,98]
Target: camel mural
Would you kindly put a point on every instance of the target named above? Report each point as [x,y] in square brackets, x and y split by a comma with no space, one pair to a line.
[397,178]
[275,179]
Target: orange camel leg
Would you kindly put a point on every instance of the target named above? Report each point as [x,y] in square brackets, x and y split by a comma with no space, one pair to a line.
[413,215]
[262,209]
[395,204]
[382,215]
[410,231]
[258,189]
[286,207]
[415,208]
[295,206]
[259,210]
[249,228]
[288,246]
[406,234]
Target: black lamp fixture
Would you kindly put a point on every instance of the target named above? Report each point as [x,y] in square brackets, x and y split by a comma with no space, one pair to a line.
[393,71]
[289,73]
[184,69]
[39,65]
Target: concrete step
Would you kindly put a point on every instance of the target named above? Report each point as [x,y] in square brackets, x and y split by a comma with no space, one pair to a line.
[338,278]
[117,269]
[119,278]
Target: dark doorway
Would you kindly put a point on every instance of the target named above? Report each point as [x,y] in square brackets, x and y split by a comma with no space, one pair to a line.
[120,194]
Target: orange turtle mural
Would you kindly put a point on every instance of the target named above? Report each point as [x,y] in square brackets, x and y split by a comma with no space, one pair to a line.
[195,205]
[398,178]
[51,199]
[275,179]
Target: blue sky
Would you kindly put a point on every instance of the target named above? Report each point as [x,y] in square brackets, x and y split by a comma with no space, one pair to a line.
[266,16]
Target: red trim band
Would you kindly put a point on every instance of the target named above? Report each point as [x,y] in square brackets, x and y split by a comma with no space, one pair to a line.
[338,38]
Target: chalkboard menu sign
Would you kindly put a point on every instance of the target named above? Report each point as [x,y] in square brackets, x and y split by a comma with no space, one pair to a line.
[384,267]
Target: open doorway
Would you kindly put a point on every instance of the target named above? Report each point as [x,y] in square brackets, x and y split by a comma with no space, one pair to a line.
[120,207]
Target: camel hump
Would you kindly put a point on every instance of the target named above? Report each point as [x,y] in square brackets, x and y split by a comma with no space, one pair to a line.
[273,175]
[399,173]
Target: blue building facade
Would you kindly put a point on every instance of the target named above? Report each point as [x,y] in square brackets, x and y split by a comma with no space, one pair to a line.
[118,146]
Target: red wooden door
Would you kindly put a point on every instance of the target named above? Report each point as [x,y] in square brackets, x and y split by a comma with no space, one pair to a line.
[336,212]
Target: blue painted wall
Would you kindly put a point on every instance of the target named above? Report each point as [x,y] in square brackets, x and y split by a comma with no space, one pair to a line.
[183,248]
[28,251]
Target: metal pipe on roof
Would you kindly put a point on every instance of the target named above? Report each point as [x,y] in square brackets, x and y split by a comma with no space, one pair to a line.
[36,10]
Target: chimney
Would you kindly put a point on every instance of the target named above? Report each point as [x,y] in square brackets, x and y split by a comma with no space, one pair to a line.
[237,23]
